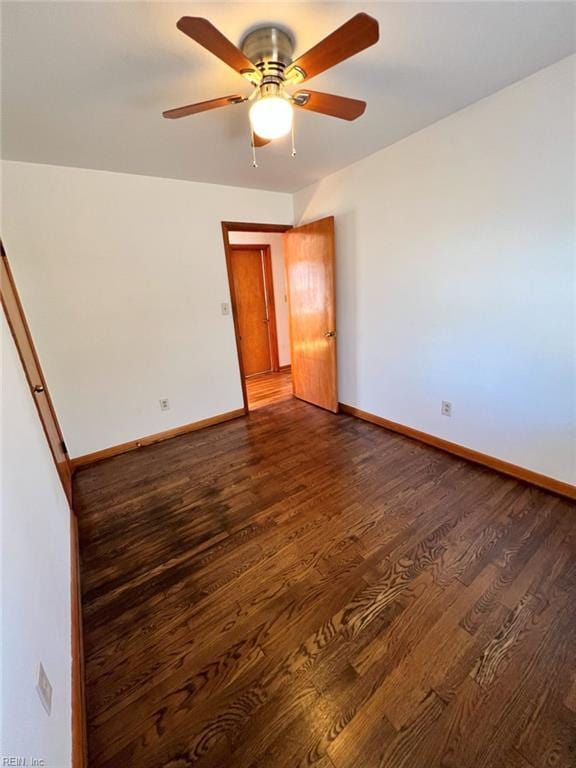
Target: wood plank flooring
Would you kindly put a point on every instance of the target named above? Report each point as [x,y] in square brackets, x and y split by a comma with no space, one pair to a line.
[303,589]
[267,388]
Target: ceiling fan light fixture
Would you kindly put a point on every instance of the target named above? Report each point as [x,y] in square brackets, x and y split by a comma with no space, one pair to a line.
[266,59]
[271,117]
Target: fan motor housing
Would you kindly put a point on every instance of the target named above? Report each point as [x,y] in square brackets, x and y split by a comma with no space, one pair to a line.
[270,48]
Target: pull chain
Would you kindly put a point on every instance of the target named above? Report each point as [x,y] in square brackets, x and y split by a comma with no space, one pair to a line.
[253,145]
[293,142]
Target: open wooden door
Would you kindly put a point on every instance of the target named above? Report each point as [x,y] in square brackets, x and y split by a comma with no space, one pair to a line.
[310,275]
[23,339]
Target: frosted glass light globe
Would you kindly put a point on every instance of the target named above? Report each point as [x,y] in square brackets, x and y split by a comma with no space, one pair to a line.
[271,117]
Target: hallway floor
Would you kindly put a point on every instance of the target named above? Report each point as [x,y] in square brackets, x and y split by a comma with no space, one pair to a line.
[299,588]
[267,388]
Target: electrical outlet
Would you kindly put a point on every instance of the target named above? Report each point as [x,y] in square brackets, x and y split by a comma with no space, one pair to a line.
[44,689]
[446,409]
[164,404]
[225,308]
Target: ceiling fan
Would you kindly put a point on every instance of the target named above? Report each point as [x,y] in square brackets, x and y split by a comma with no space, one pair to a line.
[265,60]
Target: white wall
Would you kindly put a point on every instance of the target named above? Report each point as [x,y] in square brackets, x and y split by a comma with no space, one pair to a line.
[276,243]
[35,579]
[456,275]
[122,278]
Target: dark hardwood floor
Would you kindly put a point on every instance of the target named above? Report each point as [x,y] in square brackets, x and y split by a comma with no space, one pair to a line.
[267,388]
[303,589]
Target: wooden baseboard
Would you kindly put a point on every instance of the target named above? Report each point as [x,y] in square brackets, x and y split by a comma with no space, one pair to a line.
[116,450]
[520,473]
[79,736]
[285,368]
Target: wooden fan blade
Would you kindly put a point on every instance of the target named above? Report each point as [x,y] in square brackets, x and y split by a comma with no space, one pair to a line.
[328,104]
[206,34]
[358,33]
[202,106]
[258,141]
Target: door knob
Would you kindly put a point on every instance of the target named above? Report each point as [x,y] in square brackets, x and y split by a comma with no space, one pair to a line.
[330,333]
[38,388]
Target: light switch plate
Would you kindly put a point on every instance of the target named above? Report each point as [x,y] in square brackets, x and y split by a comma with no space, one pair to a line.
[44,689]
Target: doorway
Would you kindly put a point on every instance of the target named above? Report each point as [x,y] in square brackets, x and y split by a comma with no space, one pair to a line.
[258,317]
[256,273]
[281,282]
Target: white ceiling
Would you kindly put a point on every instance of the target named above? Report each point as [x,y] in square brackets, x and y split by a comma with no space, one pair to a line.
[84,83]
